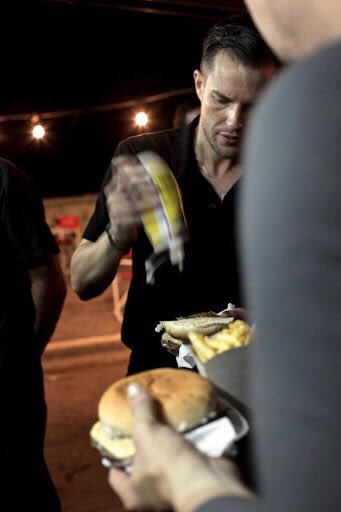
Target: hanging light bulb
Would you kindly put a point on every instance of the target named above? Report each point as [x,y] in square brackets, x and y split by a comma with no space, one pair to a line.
[38,131]
[35,119]
[141,118]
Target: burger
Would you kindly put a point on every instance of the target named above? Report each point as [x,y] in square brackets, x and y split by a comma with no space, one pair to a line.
[176,331]
[184,398]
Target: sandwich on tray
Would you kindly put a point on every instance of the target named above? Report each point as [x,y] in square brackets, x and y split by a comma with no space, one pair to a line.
[176,332]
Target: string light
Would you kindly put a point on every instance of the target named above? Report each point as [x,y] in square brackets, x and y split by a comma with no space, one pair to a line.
[120,105]
[38,131]
[141,118]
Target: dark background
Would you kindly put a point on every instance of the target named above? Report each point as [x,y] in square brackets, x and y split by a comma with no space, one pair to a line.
[59,55]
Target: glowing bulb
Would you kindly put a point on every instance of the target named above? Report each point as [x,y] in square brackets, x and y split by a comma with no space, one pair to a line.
[38,131]
[141,119]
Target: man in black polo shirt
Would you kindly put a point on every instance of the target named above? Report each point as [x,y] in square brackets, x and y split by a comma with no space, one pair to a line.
[32,291]
[203,157]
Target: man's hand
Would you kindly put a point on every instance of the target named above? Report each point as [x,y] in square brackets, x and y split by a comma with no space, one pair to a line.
[168,472]
[236,313]
[130,193]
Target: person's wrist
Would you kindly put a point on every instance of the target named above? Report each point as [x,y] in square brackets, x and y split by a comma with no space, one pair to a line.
[193,498]
[187,496]
[122,248]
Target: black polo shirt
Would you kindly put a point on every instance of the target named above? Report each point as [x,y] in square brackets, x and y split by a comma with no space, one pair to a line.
[25,243]
[209,279]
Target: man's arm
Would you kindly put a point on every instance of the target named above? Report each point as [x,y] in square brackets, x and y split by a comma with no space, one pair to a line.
[113,227]
[48,293]
[33,243]
[292,252]
[94,266]
[95,262]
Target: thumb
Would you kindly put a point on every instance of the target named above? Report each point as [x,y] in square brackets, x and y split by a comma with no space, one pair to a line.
[142,404]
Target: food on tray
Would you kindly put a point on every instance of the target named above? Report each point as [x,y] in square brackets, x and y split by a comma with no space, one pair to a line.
[176,331]
[236,334]
[186,400]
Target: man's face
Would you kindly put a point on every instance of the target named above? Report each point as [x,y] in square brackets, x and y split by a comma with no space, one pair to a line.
[227,91]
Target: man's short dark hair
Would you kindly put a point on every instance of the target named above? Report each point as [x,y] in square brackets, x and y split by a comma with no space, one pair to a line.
[240,39]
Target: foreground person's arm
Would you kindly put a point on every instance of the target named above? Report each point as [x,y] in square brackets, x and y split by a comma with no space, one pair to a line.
[292,248]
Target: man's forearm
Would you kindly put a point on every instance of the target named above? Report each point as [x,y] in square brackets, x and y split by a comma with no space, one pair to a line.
[94,266]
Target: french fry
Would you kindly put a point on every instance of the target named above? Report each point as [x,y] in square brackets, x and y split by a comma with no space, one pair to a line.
[237,334]
[197,341]
[220,342]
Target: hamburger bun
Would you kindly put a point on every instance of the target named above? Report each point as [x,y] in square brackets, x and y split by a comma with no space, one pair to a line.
[185,399]
[171,344]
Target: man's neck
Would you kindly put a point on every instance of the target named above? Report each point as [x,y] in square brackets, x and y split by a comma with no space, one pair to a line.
[215,165]
[221,173]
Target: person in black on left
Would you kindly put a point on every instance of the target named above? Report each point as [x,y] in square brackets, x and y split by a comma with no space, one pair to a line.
[32,292]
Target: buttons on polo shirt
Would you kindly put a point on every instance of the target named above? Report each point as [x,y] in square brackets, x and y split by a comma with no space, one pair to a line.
[212,206]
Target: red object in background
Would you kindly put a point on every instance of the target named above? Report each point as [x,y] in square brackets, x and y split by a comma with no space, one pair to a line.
[67,235]
[68,221]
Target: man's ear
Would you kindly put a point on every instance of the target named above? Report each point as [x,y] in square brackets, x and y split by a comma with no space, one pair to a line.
[198,82]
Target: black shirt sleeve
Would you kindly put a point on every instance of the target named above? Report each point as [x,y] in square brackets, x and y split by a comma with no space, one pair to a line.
[225,504]
[25,223]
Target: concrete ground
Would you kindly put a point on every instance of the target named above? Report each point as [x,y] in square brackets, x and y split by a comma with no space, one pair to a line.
[83,358]
[85,319]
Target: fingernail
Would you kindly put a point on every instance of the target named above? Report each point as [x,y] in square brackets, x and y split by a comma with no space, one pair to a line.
[133,389]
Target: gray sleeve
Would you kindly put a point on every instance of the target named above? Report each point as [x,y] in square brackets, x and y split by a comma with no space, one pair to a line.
[291,226]
[225,504]
[291,247]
